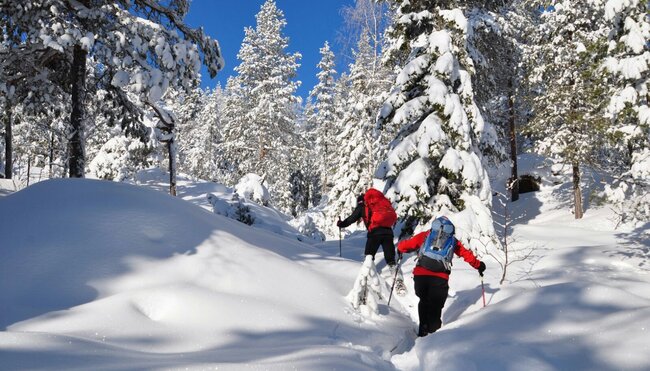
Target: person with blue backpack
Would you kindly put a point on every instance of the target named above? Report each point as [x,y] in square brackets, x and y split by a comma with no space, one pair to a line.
[436,248]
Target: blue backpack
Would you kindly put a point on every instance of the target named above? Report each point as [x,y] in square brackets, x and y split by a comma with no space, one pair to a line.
[438,250]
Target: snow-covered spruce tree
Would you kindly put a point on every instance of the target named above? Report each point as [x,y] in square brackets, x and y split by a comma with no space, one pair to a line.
[358,150]
[308,161]
[567,123]
[300,149]
[266,89]
[321,117]
[496,35]
[628,65]
[434,166]
[304,179]
[237,153]
[203,158]
[341,94]
[143,47]
[299,192]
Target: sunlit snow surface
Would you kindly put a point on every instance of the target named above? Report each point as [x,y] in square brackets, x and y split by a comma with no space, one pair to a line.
[102,275]
[109,276]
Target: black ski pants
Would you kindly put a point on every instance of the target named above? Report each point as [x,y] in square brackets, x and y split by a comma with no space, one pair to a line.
[386,242]
[432,292]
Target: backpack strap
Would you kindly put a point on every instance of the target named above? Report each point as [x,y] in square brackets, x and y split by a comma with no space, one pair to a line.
[440,258]
[429,241]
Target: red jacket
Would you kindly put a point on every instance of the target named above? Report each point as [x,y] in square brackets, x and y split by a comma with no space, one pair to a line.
[416,242]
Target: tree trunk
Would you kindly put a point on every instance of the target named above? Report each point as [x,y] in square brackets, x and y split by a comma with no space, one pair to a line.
[76,158]
[172,167]
[514,177]
[51,153]
[506,223]
[29,169]
[8,142]
[577,192]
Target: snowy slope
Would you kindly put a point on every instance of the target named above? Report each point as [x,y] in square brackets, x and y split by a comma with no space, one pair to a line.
[579,301]
[105,275]
[109,276]
[196,192]
[585,306]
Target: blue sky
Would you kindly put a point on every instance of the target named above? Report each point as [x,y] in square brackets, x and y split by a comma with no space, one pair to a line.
[309,24]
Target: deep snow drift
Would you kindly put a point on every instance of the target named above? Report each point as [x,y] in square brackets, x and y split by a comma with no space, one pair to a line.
[105,275]
[101,275]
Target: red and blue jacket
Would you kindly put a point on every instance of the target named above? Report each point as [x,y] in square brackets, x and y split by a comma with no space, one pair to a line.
[415,242]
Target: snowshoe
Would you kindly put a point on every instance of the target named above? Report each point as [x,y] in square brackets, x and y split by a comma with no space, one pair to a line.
[400,287]
[363,294]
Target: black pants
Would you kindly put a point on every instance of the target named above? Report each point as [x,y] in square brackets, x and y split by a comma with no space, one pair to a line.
[386,242]
[432,292]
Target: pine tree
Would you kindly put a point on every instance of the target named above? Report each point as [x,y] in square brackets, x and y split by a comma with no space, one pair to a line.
[498,34]
[237,152]
[434,166]
[136,72]
[568,123]
[205,158]
[627,65]
[266,90]
[321,116]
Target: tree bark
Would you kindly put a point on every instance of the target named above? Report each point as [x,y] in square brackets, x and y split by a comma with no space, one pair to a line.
[51,154]
[8,142]
[76,150]
[172,167]
[577,192]
[29,169]
[514,177]
[506,223]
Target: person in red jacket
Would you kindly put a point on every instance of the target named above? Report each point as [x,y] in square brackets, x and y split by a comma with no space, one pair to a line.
[431,282]
[379,223]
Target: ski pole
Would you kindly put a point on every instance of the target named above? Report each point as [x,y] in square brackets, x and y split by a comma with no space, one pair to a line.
[483,290]
[390,296]
[340,255]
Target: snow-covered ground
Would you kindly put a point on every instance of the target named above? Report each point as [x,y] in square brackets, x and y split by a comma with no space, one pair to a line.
[108,276]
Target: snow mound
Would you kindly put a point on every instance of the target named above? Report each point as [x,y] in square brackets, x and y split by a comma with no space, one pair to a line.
[97,274]
[224,201]
[251,187]
[368,289]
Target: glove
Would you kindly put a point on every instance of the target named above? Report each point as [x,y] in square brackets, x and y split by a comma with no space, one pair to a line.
[338,223]
[481,269]
[399,255]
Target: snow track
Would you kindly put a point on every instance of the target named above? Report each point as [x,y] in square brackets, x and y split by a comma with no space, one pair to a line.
[147,281]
